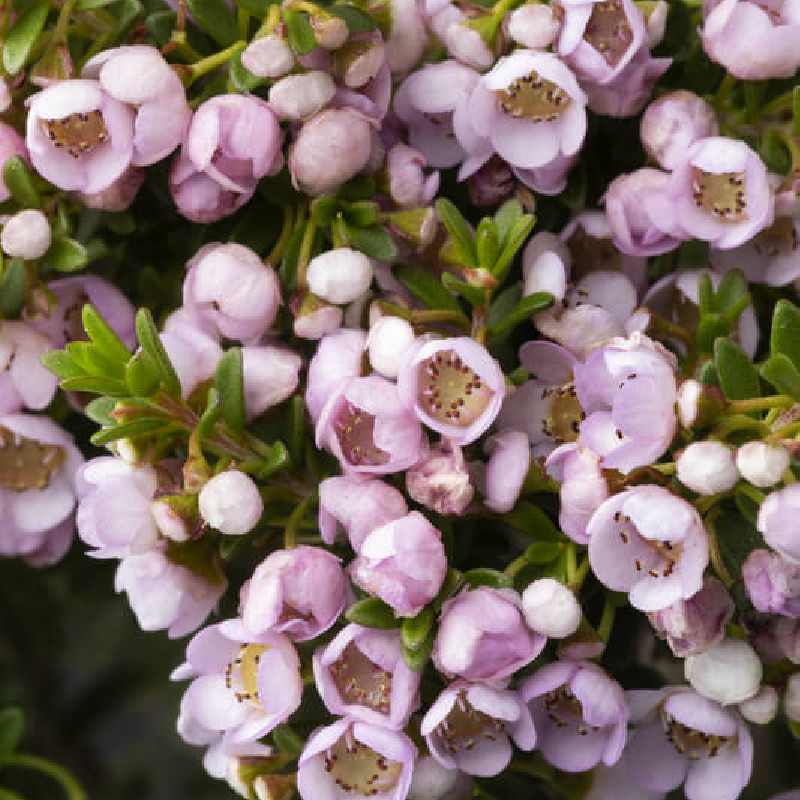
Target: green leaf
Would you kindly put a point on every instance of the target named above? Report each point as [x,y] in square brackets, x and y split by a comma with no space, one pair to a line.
[142,375]
[415,630]
[708,374]
[416,659]
[99,410]
[530,519]
[732,295]
[473,294]
[737,374]
[705,294]
[288,269]
[127,12]
[242,79]
[66,255]
[519,232]
[23,35]
[544,552]
[150,342]
[12,724]
[161,24]
[523,310]
[775,153]
[453,581]
[216,19]
[356,19]
[297,429]
[503,304]
[97,384]
[86,355]
[211,414]
[200,556]
[287,741]
[362,214]
[62,364]
[372,612]
[324,210]
[229,382]
[19,181]
[373,241]
[483,576]
[459,230]
[710,327]
[13,289]
[299,31]
[783,375]
[257,7]
[142,426]
[88,5]
[426,288]
[105,337]
[785,334]
[487,244]
[271,462]
[506,217]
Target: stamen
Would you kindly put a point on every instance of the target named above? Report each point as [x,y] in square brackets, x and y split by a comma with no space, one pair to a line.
[534,98]
[354,430]
[464,726]
[722,194]
[360,681]
[27,464]
[358,769]
[79,133]
[609,31]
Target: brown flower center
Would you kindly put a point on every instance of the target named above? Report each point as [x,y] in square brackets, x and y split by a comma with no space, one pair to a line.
[564,708]
[464,725]
[360,681]
[359,769]
[534,98]
[690,741]
[779,239]
[566,414]
[608,31]
[78,133]
[666,554]
[591,253]
[241,675]
[355,429]
[721,194]
[27,464]
[450,391]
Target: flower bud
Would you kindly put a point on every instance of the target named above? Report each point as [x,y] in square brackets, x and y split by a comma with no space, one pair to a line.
[730,672]
[120,195]
[440,480]
[762,464]
[409,186]
[533,25]
[268,57]
[550,608]
[655,17]
[339,276]
[357,63]
[762,707]
[468,46]
[389,339]
[231,503]
[430,780]
[707,468]
[791,698]
[175,515]
[331,31]
[699,405]
[298,97]
[314,318]
[26,235]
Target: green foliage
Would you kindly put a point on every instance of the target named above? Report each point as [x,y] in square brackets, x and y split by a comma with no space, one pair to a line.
[12,724]
[23,35]
[738,376]
[483,576]
[216,19]
[426,288]
[372,612]
[229,384]
[13,288]
[19,181]
[782,368]
[299,31]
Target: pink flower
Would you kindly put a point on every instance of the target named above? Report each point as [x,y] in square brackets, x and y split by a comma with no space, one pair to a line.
[649,543]
[38,462]
[409,186]
[11,144]
[24,382]
[79,137]
[440,480]
[362,674]
[120,195]
[271,375]
[198,196]
[407,36]
[300,592]
[453,385]
[509,460]
[403,562]
[777,521]
[772,583]
[533,25]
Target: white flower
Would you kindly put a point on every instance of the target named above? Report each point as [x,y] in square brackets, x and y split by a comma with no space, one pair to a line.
[389,339]
[550,608]
[339,276]
[707,468]
[730,672]
[231,503]
[26,235]
[762,464]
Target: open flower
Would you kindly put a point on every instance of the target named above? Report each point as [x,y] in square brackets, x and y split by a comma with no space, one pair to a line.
[777,521]
[24,382]
[772,583]
[337,358]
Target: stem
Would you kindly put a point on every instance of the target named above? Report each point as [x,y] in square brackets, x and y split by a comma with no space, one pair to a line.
[665,469]
[271,21]
[305,253]
[787,431]
[7,794]
[607,619]
[209,63]
[725,87]
[783,102]
[64,18]
[713,549]
[516,566]
[71,787]
[243,21]
[580,574]
[760,403]
[738,423]
[276,253]
[572,562]
[428,316]
[747,489]
[290,532]
[793,145]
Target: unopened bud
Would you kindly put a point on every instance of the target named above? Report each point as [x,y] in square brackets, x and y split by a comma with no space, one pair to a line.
[791,698]
[467,45]
[175,515]
[762,707]
[730,672]
[430,780]
[707,468]
[268,57]
[231,503]
[339,276]
[275,787]
[357,63]
[298,97]
[533,25]
[698,404]
[388,341]
[331,31]
[417,225]
[551,609]
[26,235]
[655,15]
[762,464]
[314,318]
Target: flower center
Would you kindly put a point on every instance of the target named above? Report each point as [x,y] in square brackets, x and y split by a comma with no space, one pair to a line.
[566,414]
[464,725]
[241,675]
[721,194]
[360,681]
[355,429]
[779,239]
[78,133]
[359,769]
[564,708]
[27,464]
[534,98]
[608,31]
[690,741]
[663,556]
[590,253]
[450,391]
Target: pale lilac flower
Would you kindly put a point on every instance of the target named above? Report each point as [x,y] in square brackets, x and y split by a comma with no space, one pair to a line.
[38,462]
[340,276]
[627,390]
[387,344]
[729,672]
[777,521]
[407,36]
[453,385]
[299,592]
[432,781]
[268,56]
[362,674]
[26,235]
[403,562]
[11,144]
[718,192]
[425,102]
[120,195]
[533,25]
[367,759]
[599,38]
[762,707]
[409,186]
[649,543]
[451,26]
[234,140]
[228,286]
[314,318]
[751,41]
[683,738]
[243,684]
[772,583]
[580,715]
[359,505]
[231,503]
[329,149]
[551,608]
[470,726]
[271,375]
[692,626]
[483,636]
[509,459]
[707,468]
[655,15]
[615,782]
[360,60]
[440,480]
[298,97]
[166,595]
[674,122]
[699,404]
[24,382]
[634,232]
[191,342]
[79,137]
[139,76]
[369,428]
[337,359]
[198,196]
